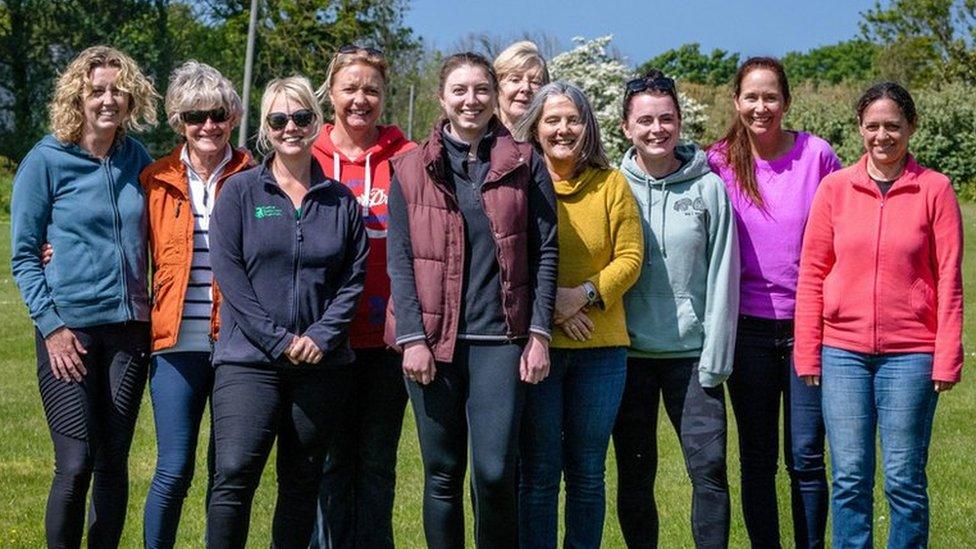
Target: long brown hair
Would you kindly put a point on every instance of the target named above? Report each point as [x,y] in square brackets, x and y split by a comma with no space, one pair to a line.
[738,149]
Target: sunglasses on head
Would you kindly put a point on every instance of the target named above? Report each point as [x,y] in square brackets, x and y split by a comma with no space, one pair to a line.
[642,84]
[353,48]
[301,118]
[199,117]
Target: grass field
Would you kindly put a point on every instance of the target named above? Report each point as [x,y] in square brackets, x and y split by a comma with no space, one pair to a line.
[26,458]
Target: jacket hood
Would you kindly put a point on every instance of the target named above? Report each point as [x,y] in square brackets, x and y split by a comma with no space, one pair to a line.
[694,164]
[390,142]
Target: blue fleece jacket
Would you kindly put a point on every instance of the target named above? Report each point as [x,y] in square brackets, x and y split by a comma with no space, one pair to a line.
[93,212]
[284,271]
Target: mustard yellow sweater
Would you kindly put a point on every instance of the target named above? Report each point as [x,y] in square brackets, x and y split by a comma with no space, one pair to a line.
[600,240]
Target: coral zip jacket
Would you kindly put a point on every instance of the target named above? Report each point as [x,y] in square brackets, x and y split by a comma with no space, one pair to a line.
[882,275]
[171,241]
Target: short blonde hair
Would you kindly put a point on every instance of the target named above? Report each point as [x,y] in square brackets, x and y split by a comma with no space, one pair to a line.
[298,89]
[520,56]
[362,56]
[196,85]
[66,110]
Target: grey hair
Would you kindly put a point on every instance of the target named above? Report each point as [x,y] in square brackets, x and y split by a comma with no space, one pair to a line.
[591,151]
[298,89]
[195,85]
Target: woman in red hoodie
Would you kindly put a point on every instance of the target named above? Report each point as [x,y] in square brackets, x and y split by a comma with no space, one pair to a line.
[879,318]
[356,500]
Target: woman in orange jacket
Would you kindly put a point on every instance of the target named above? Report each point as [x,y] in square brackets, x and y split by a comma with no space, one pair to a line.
[203,108]
[879,318]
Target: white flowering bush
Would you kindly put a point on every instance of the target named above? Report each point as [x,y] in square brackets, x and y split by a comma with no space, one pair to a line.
[603,76]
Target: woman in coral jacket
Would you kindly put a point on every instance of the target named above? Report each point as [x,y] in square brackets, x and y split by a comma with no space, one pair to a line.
[359,476]
[879,318]
[181,189]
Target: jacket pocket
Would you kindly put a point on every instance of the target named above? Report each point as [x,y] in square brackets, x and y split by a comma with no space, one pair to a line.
[68,273]
[922,298]
[664,323]
[831,300]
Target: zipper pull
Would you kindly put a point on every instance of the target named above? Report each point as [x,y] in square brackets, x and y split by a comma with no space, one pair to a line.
[178,204]
[298,227]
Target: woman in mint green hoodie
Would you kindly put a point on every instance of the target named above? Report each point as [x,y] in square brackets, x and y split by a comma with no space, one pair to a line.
[681,318]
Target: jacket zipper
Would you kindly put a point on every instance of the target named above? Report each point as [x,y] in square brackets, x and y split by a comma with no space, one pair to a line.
[296,262]
[877,265]
[116,223]
[509,332]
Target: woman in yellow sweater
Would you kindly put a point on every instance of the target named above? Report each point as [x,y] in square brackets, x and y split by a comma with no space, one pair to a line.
[569,415]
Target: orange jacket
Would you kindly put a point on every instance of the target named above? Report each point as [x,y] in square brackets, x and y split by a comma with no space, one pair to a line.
[171,241]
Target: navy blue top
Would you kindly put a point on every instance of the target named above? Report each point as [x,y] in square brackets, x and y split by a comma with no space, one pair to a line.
[284,271]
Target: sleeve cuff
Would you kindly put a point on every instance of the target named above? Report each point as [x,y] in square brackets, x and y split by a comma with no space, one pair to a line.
[410,338]
[541,331]
[48,322]
[711,379]
[279,348]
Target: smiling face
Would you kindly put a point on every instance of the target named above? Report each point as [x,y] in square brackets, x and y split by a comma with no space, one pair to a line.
[886,132]
[515,92]
[760,103]
[357,96]
[208,137]
[468,99]
[292,139]
[653,125]
[560,130]
[106,106]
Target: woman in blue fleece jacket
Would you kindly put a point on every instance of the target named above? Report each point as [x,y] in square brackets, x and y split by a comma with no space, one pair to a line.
[288,249]
[78,189]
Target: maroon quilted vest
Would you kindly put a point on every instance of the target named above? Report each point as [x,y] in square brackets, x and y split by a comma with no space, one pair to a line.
[437,236]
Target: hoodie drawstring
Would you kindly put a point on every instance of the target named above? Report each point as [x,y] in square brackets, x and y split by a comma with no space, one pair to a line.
[664,216]
[366,197]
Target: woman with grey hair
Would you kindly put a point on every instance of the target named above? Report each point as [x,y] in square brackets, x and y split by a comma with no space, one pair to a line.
[203,108]
[569,415]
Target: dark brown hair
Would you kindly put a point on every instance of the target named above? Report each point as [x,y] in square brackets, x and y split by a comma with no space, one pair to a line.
[461,59]
[652,76]
[738,149]
[888,90]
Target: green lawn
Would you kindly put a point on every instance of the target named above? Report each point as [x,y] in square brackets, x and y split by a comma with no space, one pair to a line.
[26,458]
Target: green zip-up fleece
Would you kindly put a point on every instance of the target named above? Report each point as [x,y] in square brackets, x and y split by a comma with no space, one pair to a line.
[686,302]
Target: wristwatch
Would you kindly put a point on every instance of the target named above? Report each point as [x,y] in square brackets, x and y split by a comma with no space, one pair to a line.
[590,291]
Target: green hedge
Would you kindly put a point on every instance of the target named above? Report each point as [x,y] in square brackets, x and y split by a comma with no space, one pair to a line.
[945,140]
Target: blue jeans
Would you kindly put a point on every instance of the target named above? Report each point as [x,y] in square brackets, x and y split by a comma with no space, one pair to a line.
[179,384]
[762,376]
[566,430]
[355,508]
[892,394]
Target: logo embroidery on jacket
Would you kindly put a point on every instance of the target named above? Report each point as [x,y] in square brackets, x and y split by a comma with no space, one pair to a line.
[688,206]
[260,212]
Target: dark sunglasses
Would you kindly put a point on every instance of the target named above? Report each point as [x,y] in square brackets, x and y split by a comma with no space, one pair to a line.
[353,48]
[642,84]
[199,117]
[301,118]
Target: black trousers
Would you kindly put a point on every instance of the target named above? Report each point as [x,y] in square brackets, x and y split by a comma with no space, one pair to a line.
[698,417]
[252,406]
[91,423]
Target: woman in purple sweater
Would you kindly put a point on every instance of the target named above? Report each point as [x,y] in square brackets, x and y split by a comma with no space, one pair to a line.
[771,175]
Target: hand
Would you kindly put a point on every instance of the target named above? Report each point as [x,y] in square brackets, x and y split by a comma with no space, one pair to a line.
[578,327]
[64,351]
[811,381]
[303,350]
[569,301]
[534,364]
[943,386]
[47,252]
[418,362]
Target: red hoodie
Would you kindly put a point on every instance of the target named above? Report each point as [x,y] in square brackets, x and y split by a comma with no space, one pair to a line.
[368,175]
[882,274]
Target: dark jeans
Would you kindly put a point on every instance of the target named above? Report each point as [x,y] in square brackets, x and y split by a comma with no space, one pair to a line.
[355,508]
[179,384]
[251,407]
[91,425]
[566,432]
[763,375]
[698,417]
[474,402]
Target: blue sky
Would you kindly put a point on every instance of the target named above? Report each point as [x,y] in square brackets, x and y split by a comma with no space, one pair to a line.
[646,28]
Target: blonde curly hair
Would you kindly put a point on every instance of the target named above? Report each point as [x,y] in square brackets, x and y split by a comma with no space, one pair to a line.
[66,109]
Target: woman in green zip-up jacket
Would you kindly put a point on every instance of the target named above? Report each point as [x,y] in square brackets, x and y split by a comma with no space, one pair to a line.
[681,318]
[78,189]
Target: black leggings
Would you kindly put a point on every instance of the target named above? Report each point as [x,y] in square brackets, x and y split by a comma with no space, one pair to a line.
[252,406]
[91,423]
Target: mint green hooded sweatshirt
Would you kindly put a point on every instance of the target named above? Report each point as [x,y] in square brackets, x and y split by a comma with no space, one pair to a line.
[686,302]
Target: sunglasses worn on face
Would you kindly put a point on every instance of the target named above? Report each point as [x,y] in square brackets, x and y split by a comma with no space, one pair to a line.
[353,48]
[301,118]
[199,117]
[638,85]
